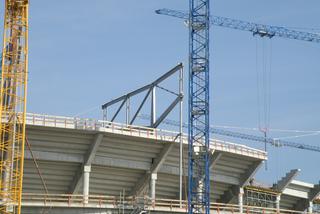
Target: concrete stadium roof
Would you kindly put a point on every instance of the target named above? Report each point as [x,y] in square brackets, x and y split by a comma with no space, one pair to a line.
[296,195]
[122,158]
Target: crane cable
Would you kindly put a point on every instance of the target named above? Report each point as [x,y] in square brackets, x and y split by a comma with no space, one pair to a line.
[39,173]
[263,78]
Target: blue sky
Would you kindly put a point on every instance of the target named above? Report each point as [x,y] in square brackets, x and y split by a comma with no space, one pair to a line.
[83,53]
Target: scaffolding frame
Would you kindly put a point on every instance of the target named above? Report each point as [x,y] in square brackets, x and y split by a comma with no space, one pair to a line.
[260,197]
[316,206]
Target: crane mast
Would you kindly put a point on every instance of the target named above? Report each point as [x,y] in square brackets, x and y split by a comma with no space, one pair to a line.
[13,89]
[198,150]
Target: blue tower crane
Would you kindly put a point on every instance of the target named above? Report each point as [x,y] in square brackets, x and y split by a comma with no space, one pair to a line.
[198,112]
[199,21]
[257,29]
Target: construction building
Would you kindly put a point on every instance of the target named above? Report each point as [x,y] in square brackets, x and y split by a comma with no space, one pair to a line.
[89,166]
[92,166]
[78,165]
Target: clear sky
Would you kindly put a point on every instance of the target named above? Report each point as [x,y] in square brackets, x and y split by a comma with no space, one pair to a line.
[83,53]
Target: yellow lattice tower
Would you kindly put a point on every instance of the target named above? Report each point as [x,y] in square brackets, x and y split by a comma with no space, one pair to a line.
[13,104]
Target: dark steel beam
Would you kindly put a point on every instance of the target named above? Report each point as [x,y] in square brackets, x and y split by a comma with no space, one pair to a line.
[140,107]
[146,87]
[167,111]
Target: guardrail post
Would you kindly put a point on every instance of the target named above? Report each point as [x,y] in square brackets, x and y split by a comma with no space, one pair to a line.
[100,201]
[45,200]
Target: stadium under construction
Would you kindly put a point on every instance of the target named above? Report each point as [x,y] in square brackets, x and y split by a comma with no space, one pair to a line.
[101,166]
[132,161]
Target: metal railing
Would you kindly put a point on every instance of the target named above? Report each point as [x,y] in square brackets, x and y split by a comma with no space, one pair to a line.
[135,131]
[113,202]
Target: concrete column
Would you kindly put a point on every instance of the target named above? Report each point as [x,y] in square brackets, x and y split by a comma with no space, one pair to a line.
[278,203]
[310,208]
[105,114]
[128,111]
[86,176]
[153,106]
[153,186]
[240,199]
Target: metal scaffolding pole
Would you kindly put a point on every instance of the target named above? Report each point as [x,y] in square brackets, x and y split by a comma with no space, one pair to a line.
[181,136]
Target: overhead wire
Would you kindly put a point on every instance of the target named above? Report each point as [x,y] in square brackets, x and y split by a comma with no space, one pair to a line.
[269,83]
[270,129]
[298,136]
[257,84]
[263,78]
[237,127]
[87,111]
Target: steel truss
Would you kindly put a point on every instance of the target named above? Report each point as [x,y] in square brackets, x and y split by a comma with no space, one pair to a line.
[316,207]
[150,92]
[155,121]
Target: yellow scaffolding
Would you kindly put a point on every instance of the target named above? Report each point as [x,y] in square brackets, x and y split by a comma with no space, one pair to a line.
[13,104]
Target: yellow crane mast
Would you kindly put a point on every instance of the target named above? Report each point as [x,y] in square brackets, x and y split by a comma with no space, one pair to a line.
[13,104]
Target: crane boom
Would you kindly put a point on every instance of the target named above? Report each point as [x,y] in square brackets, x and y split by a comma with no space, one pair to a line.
[257,29]
[14,72]
[272,141]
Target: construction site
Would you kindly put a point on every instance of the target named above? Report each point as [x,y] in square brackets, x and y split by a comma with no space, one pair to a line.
[154,143]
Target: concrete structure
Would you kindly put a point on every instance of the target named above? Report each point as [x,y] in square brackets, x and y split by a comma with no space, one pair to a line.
[299,195]
[87,164]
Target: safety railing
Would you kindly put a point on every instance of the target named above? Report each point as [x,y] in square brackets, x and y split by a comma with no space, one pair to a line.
[113,202]
[132,130]
[67,200]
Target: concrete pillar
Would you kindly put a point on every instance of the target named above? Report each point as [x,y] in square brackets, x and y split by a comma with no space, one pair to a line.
[278,203]
[153,106]
[240,200]
[310,208]
[153,186]
[128,111]
[86,176]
